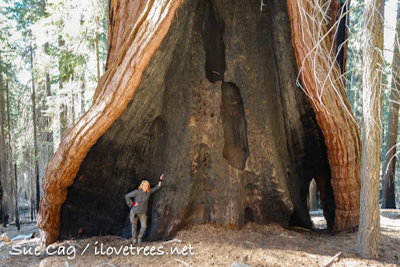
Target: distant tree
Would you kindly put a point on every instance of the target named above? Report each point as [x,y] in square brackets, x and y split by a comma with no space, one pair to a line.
[354,65]
[313,196]
[35,138]
[26,14]
[3,175]
[389,166]
[13,183]
[17,222]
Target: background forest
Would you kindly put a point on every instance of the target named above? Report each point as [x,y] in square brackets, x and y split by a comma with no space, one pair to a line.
[51,57]
[53,53]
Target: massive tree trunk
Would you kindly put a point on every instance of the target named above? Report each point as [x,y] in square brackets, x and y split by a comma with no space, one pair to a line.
[320,75]
[205,93]
[114,92]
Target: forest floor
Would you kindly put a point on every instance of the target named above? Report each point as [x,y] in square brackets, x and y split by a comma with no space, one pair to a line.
[209,245]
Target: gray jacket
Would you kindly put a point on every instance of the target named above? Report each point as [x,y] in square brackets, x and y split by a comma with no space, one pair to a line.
[140,197]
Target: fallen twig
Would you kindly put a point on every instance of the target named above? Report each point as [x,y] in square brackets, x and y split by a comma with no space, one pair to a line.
[106,264]
[75,245]
[172,240]
[332,260]
[186,264]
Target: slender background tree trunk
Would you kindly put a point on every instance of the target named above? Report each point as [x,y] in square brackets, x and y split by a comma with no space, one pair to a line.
[97,49]
[389,166]
[73,96]
[35,145]
[63,106]
[9,148]
[31,183]
[2,147]
[82,94]
[16,199]
[369,228]
[49,133]
[313,196]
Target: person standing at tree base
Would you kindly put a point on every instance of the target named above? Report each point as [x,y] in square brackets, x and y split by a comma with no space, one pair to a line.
[139,207]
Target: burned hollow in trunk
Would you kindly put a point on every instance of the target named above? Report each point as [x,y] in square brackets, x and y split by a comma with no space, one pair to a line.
[218,111]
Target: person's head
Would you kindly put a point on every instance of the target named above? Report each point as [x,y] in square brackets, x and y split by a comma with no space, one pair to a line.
[145,186]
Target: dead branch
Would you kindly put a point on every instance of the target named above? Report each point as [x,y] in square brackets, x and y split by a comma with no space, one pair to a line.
[172,241]
[186,264]
[332,260]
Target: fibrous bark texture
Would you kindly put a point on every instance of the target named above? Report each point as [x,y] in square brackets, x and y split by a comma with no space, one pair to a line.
[369,231]
[216,109]
[143,35]
[324,87]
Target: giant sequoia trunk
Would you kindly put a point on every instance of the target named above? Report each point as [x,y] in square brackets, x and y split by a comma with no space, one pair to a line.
[326,91]
[205,92]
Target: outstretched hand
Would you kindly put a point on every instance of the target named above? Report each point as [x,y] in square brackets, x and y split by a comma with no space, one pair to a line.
[159,182]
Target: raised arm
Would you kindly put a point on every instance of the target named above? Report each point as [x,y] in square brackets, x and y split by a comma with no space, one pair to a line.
[154,189]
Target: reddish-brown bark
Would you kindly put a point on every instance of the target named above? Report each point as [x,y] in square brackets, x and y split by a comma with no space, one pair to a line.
[320,77]
[135,32]
[138,38]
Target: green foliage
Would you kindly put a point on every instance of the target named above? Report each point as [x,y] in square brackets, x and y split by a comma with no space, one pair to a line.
[354,76]
[354,60]
[26,13]
[62,35]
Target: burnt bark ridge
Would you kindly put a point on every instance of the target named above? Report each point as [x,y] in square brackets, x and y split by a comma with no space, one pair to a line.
[218,112]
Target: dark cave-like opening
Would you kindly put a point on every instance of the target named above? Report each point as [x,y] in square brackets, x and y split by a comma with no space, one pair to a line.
[212,31]
[316,166]
[236,149]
